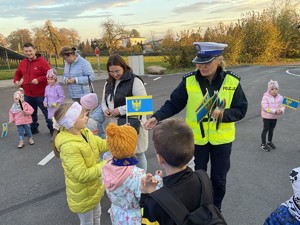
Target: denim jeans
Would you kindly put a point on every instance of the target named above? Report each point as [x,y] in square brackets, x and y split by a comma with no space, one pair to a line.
[21,129]
[91,217]
[142,161]
[36,102]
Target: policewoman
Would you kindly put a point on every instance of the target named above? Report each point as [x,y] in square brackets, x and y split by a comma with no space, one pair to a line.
[213,140]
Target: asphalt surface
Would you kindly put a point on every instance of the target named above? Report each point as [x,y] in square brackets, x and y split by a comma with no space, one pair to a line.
[32,194]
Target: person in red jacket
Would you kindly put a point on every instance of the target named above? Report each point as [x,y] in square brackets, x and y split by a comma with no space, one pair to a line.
[31,76]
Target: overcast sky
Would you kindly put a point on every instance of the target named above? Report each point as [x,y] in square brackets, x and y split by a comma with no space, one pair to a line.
[146,16]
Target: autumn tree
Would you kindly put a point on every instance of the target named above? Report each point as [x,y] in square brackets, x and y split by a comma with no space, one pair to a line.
[18,38]
[261,41]
[134,33]
[230,34]
[3,41]
[285,17]
[112,34]
[178,49]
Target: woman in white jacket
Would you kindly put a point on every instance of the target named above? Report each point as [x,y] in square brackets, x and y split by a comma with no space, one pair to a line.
[122,83]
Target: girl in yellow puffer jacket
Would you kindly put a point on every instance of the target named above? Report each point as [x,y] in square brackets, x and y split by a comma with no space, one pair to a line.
[79,150]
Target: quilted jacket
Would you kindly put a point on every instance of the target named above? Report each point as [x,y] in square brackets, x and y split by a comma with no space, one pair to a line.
[80,159]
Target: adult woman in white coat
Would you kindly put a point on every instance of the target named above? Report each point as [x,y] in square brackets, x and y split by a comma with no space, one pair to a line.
[122,83]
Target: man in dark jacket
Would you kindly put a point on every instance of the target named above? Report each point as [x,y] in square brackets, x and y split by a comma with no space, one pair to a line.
[31,76]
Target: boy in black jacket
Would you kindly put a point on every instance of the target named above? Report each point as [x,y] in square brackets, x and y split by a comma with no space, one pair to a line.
[174,143]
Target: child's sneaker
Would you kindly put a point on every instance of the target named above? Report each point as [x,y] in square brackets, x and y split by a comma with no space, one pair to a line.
[21,144]
[271,145]
[265,148]
[31,141]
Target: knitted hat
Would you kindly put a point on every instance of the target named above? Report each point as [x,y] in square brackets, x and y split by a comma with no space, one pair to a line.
[273,83]
[121,140]
[295,180]
[52,73]
[19,94]
[89,101]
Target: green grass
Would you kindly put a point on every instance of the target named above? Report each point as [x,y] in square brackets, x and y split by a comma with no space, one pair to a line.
[59,64]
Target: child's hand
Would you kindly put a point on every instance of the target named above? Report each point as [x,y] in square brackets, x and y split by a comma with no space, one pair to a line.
[148,183]
[159,173]
[278,112]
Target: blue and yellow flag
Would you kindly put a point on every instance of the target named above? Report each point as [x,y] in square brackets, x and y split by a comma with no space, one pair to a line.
[139,105]
[289,102]
[4,130]
[205,107]
[203,101]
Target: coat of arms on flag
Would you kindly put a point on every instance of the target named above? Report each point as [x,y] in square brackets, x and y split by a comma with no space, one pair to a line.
[290,102]
[139,105]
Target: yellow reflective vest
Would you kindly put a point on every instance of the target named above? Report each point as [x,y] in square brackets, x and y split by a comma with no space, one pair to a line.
[226,132]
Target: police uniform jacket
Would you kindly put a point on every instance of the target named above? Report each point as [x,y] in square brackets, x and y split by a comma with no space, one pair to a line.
[179,97]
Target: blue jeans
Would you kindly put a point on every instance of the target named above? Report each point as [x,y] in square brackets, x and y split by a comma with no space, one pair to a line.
[219,156]
[21,129]
[142,161]
[91,217]
[36,102]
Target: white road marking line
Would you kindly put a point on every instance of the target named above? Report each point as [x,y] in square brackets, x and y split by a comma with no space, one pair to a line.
[46,159]
[288,72]
[157,78]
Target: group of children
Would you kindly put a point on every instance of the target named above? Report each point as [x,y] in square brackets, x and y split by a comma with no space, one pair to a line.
[79,138]
[20,112]
[87,176]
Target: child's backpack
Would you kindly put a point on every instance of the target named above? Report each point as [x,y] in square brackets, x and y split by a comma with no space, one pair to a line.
[206,214]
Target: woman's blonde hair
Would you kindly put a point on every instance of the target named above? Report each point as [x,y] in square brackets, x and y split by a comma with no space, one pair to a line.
[222,62]
[58,115]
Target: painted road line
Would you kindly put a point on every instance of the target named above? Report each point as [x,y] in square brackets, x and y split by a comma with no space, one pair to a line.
[288,72]
[157,78]
[46,159]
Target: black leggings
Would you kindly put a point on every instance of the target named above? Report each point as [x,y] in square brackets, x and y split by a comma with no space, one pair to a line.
[269,126]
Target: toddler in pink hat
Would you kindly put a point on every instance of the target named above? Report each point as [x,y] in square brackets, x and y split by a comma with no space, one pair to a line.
[20,114]
[271,110]
[54,94]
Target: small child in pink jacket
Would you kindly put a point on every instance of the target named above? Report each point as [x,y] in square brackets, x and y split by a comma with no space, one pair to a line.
[20,115]
[271,110]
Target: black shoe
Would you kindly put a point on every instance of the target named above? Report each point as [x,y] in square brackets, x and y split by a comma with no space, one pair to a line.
[35,130]
[271,145]
[265,148]
[51,132]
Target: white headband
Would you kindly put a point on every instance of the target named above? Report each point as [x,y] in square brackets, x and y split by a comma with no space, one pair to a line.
[69,118]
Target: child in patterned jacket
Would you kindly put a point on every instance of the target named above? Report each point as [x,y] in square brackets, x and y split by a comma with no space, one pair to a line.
[20,115]
[121,176]
[288,212]
[271,110]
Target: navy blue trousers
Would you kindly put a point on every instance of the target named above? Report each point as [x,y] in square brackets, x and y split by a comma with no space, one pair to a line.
[37,102]
[219,156]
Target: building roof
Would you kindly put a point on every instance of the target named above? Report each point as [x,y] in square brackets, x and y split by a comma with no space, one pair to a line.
[10,54]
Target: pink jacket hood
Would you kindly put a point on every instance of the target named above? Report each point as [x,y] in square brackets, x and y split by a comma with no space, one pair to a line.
[114,176]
